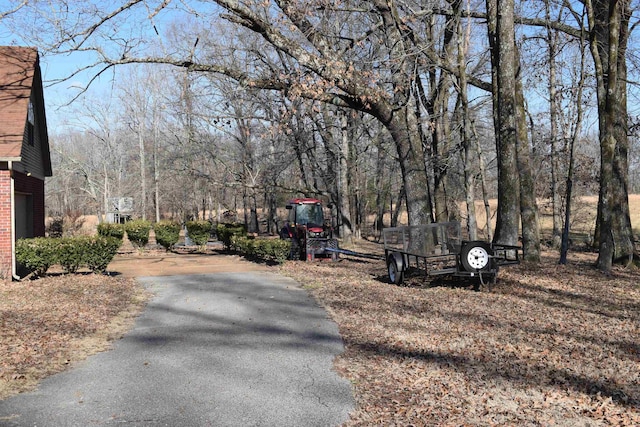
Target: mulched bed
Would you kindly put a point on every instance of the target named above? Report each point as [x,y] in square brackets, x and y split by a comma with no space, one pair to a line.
[546,345]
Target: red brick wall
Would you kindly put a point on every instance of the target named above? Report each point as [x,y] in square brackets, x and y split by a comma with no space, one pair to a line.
[5,224]
[23,184]
[35,187]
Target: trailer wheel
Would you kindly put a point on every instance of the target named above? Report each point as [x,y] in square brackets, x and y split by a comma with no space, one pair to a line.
[476,256]
[396,276]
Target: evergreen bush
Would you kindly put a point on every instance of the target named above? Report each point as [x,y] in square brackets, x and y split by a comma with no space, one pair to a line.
[70,253]
[279,250]
[226,231]
[167,233]
[138,232]
[274,250]
[35,255]
[111,230]
[38,254]
[99,251]
[199,231]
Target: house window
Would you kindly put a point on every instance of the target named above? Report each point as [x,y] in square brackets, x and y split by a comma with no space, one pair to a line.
[31,125]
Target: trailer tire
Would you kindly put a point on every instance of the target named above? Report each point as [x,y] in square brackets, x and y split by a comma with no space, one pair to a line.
[476,256]
[396,274]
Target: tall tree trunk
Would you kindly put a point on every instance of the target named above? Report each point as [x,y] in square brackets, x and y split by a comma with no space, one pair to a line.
[156,170]
[400,116]
[395,214]
[469,184]
[404,129]
[436,104]
[143,174]
[528,204]
[381,186]
[609,21]
[564,241]
[344,206]
[500,17]
[254,226]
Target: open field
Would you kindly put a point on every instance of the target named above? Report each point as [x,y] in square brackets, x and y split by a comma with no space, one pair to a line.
[583,218]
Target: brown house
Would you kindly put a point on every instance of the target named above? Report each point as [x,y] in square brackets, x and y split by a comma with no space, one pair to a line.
[24,151]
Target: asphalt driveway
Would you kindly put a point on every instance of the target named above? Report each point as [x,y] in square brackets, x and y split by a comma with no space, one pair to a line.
[225,349]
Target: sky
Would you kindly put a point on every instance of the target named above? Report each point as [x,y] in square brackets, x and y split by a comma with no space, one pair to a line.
[60,102]
[58,96]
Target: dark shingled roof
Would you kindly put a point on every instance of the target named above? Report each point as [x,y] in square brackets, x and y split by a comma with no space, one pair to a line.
[17,68]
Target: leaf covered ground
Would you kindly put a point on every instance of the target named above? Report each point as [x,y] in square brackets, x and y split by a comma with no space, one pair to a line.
[50,323]
[547,345]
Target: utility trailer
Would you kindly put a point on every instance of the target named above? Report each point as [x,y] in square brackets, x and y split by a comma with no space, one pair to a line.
[438,249]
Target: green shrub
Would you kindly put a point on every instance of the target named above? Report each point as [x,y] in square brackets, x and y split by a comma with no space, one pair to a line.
[262,249]
[167,233]
[274,250]
[226,231]
[70,253]
[279,250]
[36,255]
[199,231]
[99,251]
[111,230]
[243,245]
[138,232]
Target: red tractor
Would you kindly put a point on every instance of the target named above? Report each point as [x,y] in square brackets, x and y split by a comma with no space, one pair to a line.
[306,228]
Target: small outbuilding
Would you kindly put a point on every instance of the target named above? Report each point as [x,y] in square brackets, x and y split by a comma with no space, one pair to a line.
[25,159]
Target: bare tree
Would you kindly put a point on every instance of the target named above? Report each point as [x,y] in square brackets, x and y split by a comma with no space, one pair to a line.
[609,32]
[501,19]
[337,78]
[609,29]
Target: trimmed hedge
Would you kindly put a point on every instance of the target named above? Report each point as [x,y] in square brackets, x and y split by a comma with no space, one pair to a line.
[106,229]
[38,254]
[167,233]
[138,232]
[99,251]
[226,231]
[199,231]
[275,250]
[70,253]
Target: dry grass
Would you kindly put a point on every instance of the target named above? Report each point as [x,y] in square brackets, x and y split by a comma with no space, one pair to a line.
[50,323]
[548,345]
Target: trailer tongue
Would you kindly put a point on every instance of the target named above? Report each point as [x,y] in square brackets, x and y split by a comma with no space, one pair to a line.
[438,249]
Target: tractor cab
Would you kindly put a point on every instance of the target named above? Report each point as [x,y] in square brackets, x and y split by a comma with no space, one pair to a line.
[307,214]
